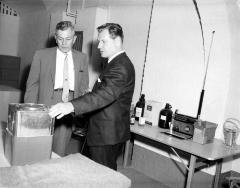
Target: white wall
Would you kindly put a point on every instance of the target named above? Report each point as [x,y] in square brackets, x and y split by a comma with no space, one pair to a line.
[135,31]
[22,36]
[88,25]
[233,102]
[174,67]
[55,17]
[9,28]
[175,56]
[33,35]
[134,21]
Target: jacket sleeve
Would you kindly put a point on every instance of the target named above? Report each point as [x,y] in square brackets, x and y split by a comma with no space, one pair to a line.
[32,86]
[86,74]
[107,91]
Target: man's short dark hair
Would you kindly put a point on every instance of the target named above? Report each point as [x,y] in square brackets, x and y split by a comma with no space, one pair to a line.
[115,30]
[64,25]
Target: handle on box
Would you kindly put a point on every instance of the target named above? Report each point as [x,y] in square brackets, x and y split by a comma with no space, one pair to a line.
[233,120]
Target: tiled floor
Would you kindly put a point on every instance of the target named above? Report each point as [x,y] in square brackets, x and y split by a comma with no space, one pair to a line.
[138,179]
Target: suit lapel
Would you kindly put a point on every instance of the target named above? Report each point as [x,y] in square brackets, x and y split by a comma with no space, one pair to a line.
[106,68]
[53,65]
[76,69]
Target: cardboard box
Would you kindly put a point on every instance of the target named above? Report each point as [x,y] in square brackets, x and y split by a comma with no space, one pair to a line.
[204,132]
[151,112]
[27,150]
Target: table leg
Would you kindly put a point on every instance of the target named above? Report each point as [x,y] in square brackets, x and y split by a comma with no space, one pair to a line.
[191,171]
[126,153]
[217,173]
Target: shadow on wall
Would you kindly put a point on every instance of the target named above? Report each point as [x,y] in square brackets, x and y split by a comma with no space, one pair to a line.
[97,62]
[23,81]
[51,42]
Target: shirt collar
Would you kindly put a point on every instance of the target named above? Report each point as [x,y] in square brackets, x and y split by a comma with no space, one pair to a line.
[116,54]
[68,53]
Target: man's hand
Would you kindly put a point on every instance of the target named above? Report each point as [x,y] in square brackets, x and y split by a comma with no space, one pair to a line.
[61,109]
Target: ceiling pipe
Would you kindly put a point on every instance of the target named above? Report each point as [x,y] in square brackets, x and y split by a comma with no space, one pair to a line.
[83,4]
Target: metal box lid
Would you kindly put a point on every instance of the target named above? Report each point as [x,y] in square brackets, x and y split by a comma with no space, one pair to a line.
[29,120]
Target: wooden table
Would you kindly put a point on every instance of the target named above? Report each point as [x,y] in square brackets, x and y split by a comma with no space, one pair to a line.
[62,172]
[212,152]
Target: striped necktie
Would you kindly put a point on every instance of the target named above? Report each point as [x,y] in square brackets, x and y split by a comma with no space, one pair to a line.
[65,92]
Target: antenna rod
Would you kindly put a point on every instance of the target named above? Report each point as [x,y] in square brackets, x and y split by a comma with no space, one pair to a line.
[146,50]
[200,22]
[204,80]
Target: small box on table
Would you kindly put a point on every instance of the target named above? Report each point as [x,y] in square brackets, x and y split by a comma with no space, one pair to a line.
[204,132]
[151,112]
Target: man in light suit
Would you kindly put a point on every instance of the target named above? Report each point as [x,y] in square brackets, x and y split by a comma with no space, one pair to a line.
[109,102]
[45,81]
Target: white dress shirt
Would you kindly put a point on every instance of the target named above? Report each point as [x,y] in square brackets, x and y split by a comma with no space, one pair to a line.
[116,54]
[59,70]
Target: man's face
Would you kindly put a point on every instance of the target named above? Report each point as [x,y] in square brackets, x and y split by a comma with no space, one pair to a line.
[107,46]
[65,40]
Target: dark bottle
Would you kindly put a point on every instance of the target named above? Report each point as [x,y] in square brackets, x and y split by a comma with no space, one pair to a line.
[132,119]
[165,117]
[132,114]
[139,109]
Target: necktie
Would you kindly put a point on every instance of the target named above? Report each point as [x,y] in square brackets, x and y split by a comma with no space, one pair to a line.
[65,92]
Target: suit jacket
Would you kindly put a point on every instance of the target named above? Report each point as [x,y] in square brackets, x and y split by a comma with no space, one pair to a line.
[109,103]
[40,83]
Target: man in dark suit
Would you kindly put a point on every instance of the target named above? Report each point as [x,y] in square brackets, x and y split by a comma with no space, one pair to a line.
[109,102]
[45,80]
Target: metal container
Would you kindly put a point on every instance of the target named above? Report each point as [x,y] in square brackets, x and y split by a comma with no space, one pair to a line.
[230,137]
[29,134]
[29,120]
[231,130]
[27,150]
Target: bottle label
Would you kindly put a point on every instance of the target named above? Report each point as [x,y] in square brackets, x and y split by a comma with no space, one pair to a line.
[163,117]
[132,120]
[141,121]
[138,112]
[171,128]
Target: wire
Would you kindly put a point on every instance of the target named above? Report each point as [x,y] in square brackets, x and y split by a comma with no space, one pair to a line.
[200,22]
[145,58]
